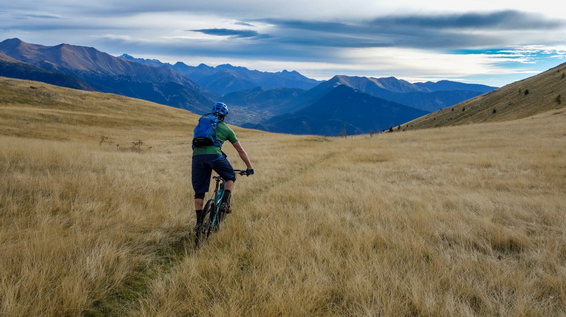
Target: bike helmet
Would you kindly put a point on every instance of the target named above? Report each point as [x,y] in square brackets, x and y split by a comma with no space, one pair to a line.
[220,108]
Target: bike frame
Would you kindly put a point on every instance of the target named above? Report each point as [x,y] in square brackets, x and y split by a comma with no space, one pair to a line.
[218,195]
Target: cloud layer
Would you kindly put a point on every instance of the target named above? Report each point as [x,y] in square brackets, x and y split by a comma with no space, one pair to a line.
[370,38]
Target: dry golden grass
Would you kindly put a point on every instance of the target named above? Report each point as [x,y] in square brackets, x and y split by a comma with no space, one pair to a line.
[460,221]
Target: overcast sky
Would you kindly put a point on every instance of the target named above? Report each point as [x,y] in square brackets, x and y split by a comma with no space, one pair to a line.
[493,42]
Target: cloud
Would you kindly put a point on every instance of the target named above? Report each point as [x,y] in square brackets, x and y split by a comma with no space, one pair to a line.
[244,24]
[358,37]
[230,32]
[501,20]
[32,16]
[418,31]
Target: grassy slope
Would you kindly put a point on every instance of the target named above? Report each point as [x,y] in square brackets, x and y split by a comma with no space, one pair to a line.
[469,221]
[522,99]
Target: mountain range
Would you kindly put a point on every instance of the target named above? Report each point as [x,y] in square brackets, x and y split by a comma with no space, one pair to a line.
[342,111]
[105,73]
[13,68]
[226,78]
[315,111]
[286,101]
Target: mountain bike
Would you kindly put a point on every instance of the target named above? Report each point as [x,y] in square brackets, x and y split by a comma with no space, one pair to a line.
[213,215]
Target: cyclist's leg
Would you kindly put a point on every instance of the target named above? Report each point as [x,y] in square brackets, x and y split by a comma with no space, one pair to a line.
[229,185]
[223,167]
[199,202]
[225,206]
[201,172]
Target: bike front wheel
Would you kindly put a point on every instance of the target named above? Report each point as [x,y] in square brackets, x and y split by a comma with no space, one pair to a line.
[220,219]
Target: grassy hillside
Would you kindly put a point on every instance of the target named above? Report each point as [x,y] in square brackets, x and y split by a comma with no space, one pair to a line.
[522,99]
[466,221]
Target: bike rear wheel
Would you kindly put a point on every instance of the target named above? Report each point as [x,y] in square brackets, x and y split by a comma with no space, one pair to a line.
[203,231]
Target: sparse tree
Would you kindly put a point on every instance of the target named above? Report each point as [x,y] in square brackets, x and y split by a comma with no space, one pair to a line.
[559,99]
[494,111]
[526,92]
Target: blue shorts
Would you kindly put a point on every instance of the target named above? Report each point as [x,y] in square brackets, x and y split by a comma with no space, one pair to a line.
[202,168]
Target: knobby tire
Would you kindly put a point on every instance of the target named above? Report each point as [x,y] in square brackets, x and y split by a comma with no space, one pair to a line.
[219,219]
[204,229]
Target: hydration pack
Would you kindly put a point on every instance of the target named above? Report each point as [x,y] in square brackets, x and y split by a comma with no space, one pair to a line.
[204,133]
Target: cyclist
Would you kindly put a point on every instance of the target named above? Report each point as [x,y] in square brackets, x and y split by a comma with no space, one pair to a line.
[209,158]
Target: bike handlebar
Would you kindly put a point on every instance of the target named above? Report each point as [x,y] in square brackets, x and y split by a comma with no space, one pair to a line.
[241,172]
[244,172]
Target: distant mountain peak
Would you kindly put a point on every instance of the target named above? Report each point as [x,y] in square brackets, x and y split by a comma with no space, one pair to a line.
[11,44]
[126,56]
[292,72]
[227,66]
[152,62]
[14,40]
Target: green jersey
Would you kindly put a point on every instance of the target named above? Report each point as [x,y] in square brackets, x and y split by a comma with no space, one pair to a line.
[223,133]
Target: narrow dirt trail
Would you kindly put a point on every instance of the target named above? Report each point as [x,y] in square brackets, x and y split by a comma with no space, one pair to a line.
[171,252]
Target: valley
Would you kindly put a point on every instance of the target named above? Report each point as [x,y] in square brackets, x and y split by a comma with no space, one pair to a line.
[285,102]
